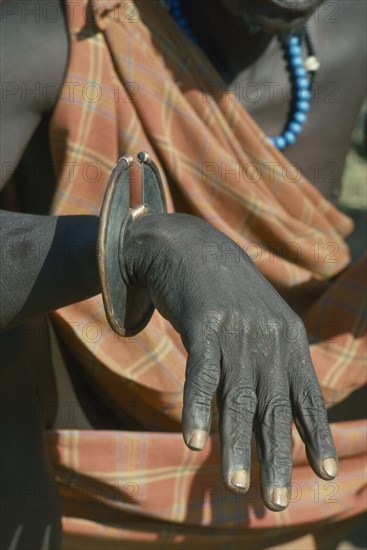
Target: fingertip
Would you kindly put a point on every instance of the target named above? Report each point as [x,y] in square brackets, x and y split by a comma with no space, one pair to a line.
[240,481]
[325,468]
[277,499]
[197,440]
[329,467]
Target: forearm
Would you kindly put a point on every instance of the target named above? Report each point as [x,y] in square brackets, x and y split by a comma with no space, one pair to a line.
[47,262]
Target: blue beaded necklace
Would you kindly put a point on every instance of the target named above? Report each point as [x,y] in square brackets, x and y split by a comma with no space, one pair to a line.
[299,72]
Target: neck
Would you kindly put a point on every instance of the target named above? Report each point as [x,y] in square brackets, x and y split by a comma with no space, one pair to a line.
[226,41]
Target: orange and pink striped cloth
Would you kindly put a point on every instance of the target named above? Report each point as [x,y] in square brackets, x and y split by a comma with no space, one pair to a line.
[135,82]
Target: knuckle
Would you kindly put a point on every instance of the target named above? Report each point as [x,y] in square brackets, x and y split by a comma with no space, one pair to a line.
[310,403]
[226,325]
[201,380]
[294,330]
[240,398]
[310,394]
[266,329]
[277,411]
[237,413]
[214,319]
[234,322]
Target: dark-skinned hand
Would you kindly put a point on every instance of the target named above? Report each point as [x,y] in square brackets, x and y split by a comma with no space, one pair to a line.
[246,348]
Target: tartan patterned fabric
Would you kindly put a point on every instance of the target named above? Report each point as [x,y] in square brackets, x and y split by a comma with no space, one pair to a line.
[135,82]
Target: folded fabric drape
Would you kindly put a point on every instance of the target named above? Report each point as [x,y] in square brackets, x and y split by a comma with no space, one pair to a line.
[136,82]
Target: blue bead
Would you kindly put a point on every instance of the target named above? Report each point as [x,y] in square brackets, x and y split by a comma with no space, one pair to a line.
[280,142]
[296,61]
[294,49]
[304,94]
[271,140]
[303,106]
[289,137]
[293,40]
[300,72]
[302,83]
[301,118]
[295,128]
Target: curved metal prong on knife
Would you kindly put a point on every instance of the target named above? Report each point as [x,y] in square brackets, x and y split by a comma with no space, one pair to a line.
[152,186]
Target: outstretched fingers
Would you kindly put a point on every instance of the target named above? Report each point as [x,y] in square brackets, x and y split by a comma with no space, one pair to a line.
[311,420]
[274,443]
[273,428]
[237,407]
[202,378]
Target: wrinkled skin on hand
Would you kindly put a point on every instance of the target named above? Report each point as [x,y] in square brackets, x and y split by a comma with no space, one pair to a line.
[246,348]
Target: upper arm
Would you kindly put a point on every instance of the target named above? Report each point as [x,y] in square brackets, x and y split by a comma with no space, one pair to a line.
[33,61]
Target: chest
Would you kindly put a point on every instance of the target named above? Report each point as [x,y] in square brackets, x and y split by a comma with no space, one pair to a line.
[265,90]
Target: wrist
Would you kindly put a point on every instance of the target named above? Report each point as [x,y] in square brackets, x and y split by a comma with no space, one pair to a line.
[82,233]
[90,274]
[139,250]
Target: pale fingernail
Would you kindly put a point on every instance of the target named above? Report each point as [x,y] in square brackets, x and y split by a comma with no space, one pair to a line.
[280,497]
[330,467]
[240,479]
[198,439]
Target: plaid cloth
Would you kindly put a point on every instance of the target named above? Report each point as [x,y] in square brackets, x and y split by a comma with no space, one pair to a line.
[135,82]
